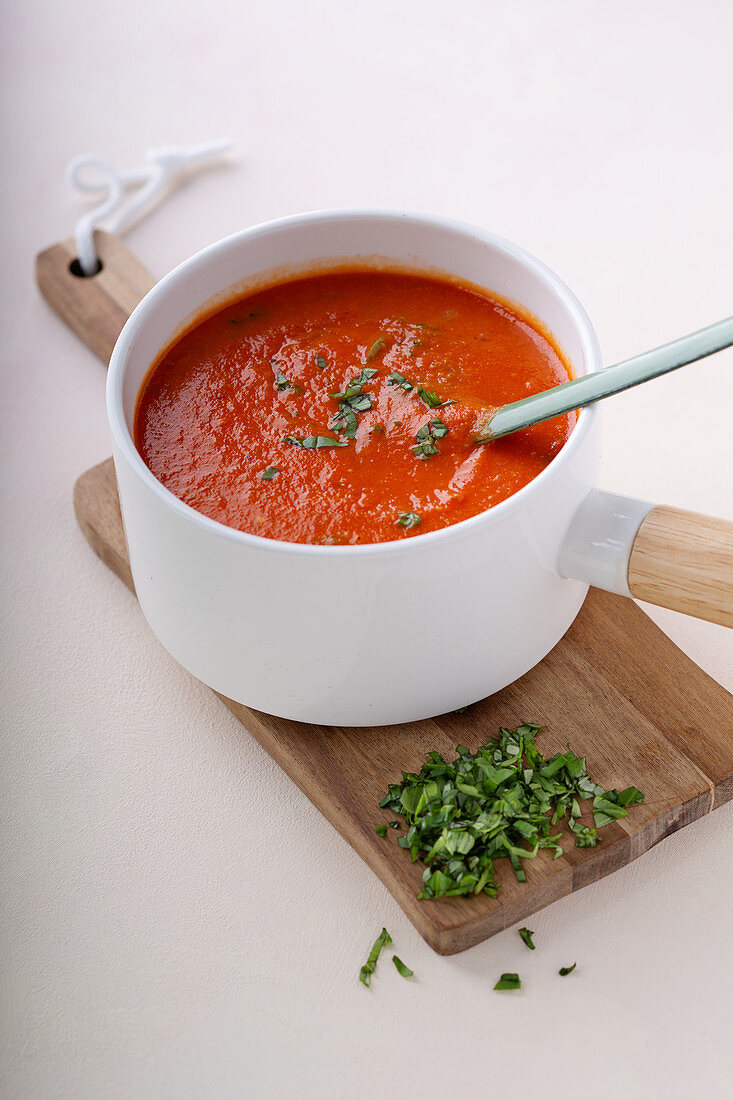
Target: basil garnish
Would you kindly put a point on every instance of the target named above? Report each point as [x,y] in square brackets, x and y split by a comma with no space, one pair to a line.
[409,519]
[354,388]
[315,442]
[270,473]
[281,382]
[404,970]
[320,362]
[381,830]
[508,981]
[566,970]
[434,429]
[376,347]
[397,379]
[351,401]
[527,937]
[431,399]
[383,940]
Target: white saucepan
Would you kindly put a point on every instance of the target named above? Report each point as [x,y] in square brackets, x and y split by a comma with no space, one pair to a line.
[392,632]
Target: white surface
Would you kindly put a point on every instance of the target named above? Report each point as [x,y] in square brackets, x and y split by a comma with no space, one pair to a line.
[179,921]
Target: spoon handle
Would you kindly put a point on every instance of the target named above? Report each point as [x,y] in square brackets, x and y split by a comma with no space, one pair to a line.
[604,383]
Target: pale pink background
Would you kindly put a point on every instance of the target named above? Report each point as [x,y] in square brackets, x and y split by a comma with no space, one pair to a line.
[179,921]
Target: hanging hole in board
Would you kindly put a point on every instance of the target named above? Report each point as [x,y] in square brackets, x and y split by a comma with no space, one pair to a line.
[75,269]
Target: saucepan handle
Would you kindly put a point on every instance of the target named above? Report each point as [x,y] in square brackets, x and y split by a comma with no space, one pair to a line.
[95,306]
[664,556]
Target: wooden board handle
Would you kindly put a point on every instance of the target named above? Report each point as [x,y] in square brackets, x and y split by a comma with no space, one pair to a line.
[95,307]
[684,561]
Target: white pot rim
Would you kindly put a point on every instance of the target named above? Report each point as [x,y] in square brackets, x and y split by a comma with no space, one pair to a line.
[457,531]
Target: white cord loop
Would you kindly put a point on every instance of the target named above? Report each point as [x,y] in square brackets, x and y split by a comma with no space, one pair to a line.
[164,166]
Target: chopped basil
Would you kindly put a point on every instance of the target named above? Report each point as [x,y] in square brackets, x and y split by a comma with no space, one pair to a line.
[281,382]
[354,388]
[397,379]
[383,940]
[381,830]
[431,399]
[499,802]
[345,421]
[566,970]
[630,796]
[508,981]
[270,473]
[434,429]
[351,401]
[527,937]
[587,837]
[315,442]
[404,970]
[320,362]
[438,429]
[376,347]
[409,519]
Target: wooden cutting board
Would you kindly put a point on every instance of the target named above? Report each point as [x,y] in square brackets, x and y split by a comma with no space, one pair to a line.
[615,687]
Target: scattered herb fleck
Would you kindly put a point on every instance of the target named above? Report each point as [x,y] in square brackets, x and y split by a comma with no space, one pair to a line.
[379,344]
[320,362]
[527,937]
[397,379]
[431,399]
[354,388]
[566,970]
[383,940]
[281,382]
[499,802]
[351,401]
[314,442]
[508,981]
[409,519]
[381,829]
[404,970]
[270,473]
[434,429]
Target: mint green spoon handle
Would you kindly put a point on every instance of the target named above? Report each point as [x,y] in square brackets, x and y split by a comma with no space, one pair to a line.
[604,383]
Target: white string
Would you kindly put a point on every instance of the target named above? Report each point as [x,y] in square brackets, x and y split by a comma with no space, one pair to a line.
[165,165]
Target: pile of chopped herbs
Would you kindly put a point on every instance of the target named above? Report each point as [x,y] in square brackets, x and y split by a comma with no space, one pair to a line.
[500,802]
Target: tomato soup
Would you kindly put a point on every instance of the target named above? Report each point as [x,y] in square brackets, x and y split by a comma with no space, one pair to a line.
[343,408]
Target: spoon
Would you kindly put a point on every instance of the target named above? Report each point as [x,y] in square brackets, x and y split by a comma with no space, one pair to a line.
[604,383]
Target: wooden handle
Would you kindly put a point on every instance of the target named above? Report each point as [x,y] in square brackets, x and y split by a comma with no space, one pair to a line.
[684,561]
[95,307]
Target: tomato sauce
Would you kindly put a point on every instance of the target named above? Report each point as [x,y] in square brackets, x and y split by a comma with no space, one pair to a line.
[224,412]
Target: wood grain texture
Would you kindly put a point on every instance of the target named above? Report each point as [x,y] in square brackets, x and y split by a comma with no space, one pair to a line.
[684,561]
[97,307]
[615,687]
